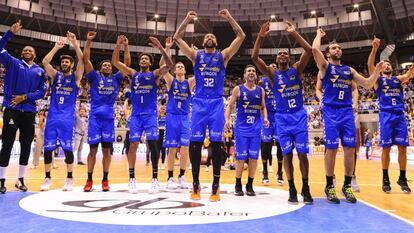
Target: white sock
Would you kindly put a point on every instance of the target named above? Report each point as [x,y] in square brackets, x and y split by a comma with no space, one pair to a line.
[3,172]
[22,171]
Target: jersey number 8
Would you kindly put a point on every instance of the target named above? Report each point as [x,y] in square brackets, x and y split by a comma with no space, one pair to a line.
[341,95]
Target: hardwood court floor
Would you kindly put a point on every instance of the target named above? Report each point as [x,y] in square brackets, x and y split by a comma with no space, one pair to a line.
[369,175]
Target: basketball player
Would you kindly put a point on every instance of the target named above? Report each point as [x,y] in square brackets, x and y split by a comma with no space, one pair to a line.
[101,127]
[60,124]
[144,86]
[24,83]
[207,104]
[354,184]
[291,116]
[392,122]
[269,134]
[250,108]
[177,129]
[337,112]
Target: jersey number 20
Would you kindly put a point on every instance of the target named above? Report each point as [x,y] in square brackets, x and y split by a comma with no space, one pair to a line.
[250,119]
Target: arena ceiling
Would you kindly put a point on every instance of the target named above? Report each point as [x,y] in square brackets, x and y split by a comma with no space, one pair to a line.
[344,20]
[138,19]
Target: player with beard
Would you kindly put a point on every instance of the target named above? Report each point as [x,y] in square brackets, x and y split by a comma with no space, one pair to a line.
[24,83]
[337,112]
[207,104]
[269,135]
[60,124]
[144,86]
[250,108]
[177,129]
[291,116]
[392,122]
[101,127]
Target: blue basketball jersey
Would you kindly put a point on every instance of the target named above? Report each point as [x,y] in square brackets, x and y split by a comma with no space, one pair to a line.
[390,94]
[179,97]
[209,73]
[287,90]
[144,93]
[63,97]
[269,95]
[103,91]
[248,118]
[337,86]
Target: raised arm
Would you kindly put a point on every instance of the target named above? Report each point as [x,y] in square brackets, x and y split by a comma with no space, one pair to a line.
[261,65]
[368,82]
[5,57]
[160,72]
[233,98]
[407,76]
[127,53]
[50,71]
[317,53]
[167,77]
[371,59]
[79,67]
[87,52]
[179,34]
[263,110]
[305,57]
[229,52]
[115,58]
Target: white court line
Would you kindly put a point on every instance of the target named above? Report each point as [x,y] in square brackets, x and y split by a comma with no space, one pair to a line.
[387,212]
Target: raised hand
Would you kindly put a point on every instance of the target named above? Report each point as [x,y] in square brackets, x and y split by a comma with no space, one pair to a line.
[321,32]
[155,42]
[59,44]
[264,29]
[120,40]
[71,37]
[126,41]
[224,13]
[290,27]
[15,28]
[168,42]
[191,15]
[91,35]
[376,43]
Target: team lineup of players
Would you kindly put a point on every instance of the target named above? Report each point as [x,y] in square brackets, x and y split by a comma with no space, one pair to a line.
[273,110]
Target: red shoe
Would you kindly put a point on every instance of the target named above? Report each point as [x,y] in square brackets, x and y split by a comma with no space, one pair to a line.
[88,186]
[105,186]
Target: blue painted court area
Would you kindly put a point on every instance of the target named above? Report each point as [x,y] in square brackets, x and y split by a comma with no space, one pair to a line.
[321,217]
